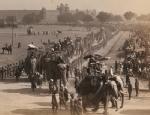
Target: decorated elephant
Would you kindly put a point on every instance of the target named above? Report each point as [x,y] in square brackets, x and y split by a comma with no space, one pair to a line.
[94,90]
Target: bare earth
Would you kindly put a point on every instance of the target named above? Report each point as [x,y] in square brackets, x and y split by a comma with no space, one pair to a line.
[18,99]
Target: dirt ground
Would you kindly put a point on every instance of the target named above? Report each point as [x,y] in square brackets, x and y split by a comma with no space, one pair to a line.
[18,99]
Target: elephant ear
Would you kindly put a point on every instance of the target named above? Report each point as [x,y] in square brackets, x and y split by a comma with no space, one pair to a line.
[85,87]
[27,65]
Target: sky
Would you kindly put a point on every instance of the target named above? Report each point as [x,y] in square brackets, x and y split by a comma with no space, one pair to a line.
[114,6]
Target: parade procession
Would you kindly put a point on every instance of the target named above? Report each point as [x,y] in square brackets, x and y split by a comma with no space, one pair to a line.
[75,60]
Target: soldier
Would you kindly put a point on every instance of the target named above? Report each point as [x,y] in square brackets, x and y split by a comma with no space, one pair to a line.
[40,79]
[116,66]
[78,106]
[130,89]
[54,99]
[77,84]
[10,49]
[67,72]
[10,70]
[137,86]
[50,85]
[129,74]
[19,44]
[33,82]
[72,108]
[7,71]
[17,73]
[14,70]
[62,96]
[1,73]
[66,94]
[111,71]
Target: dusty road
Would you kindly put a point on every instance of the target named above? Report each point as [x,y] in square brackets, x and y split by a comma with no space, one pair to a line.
[18,99]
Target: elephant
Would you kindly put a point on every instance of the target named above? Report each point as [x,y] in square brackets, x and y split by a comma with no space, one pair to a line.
[94,90]
[54,68]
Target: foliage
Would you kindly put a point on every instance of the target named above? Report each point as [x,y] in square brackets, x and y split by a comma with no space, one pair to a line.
[129,15]
[63,8]
[34,18]
[66,17]
[117,18]
[31,19]
[10,20]
[42,13]
[82,16]
[104,16]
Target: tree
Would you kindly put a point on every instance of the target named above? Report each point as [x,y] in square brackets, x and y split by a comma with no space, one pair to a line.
[11,20]
[31,19]
[2,23]
[42,13]
[117,18]
[66,18]
[82,16]
[129,15]
[63,8]
[87,18]
[104,16]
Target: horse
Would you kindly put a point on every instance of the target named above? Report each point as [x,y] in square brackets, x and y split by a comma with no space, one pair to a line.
[8,49]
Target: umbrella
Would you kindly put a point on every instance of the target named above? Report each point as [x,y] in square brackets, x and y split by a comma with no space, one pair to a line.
[31,46]
[88,56]
[97,56]
[104,58]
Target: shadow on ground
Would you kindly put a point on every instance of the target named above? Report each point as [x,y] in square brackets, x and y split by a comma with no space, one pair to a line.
[40,111]
[28,91]
[43,103]
[45,111]
[13,80]
[135,112]
[142,98]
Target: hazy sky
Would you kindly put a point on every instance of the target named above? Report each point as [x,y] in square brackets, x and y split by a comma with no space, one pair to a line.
[115,6]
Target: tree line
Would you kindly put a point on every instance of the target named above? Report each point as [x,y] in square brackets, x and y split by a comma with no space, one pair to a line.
[68,16]
[31,18]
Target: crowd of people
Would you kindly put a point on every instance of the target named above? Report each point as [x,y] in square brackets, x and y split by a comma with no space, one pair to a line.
[135,63]
[78,47]
[11,70]
[66,100]
[71,47]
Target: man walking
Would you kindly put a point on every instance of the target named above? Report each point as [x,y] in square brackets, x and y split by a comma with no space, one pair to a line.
[54,99]
[130,89]
[137,86]
[72,108]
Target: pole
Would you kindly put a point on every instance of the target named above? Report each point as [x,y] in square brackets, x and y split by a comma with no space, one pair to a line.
[12,35]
